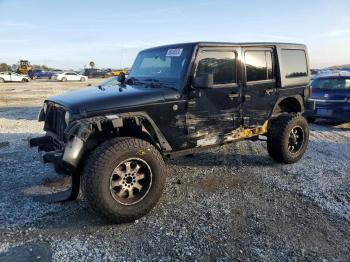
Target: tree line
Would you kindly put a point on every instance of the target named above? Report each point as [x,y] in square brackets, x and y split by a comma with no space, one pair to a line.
[6,67]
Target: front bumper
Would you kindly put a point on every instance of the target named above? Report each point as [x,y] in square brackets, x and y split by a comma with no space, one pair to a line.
[65,156]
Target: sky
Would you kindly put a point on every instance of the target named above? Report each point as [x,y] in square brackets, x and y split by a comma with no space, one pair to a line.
[69,34]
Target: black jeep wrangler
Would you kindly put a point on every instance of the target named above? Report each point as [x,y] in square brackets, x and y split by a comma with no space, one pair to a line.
[177,100]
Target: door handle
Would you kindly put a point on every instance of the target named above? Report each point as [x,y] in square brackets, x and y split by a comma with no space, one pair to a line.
[269,91]
[233,96]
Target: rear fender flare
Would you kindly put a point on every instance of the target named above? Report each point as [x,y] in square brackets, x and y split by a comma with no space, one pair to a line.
[295,98]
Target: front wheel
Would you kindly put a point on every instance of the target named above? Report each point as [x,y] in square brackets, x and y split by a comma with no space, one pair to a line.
[82,79]
[64,79]
[287,138]
[124,179]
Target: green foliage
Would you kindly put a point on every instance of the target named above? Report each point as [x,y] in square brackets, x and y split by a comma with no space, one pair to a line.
[42,67]
[4,67]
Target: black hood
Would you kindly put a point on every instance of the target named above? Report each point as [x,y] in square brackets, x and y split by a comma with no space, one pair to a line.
[94,99]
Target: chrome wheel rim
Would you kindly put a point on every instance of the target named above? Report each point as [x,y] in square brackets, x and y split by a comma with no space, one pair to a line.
[296,139]
[130,181]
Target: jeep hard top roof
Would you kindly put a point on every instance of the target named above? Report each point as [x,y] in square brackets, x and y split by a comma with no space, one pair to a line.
[281,61]
[243,44]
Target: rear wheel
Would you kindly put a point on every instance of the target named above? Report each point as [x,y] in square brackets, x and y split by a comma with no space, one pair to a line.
[124,179]
[287,138]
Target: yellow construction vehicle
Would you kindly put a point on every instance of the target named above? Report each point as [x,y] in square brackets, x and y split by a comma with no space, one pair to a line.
[23,67]
[116,72]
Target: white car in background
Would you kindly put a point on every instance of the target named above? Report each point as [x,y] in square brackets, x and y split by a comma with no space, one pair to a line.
[13,77]
[69,76]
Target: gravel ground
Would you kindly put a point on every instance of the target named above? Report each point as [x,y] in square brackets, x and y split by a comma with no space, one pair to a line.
[231,203]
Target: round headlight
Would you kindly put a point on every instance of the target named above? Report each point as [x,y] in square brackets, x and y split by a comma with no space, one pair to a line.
[45,108]
[66,117]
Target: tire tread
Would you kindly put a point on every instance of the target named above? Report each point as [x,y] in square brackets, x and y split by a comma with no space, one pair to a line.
[97,160]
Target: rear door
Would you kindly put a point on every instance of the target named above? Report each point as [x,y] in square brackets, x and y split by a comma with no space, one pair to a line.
[6,76]
[259,92]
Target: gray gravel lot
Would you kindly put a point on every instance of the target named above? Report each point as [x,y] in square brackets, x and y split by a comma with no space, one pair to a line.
[230,203]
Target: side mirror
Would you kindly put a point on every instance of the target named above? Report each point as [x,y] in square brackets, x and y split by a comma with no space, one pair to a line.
[121,78]
[204,81]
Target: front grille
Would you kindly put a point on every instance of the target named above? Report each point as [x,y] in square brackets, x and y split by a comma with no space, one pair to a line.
[54,120]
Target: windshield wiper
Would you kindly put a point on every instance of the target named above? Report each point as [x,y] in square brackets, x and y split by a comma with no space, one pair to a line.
[160,83]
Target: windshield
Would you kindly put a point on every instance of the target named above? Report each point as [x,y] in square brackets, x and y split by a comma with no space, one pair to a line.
[331,83]
[164,64]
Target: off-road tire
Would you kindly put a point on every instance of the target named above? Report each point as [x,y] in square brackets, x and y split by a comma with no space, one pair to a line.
[2,80]
[99,168]
[279,134]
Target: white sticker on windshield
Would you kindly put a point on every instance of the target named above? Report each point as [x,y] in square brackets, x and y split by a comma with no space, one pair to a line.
[174,52]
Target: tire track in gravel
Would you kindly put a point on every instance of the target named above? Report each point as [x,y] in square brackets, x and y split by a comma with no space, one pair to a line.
[322,175]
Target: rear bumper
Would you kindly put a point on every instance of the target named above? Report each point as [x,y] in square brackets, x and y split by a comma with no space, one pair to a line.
[332,111]
[66,156]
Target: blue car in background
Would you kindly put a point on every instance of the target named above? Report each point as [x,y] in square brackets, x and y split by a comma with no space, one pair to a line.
[329,98]
[37,74]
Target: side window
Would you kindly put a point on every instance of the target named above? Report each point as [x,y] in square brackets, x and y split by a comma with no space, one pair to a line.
[259,66]
[294,63]
[222,64]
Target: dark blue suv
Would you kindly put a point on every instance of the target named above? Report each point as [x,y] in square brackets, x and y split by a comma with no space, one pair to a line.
[329,98]
[36,73]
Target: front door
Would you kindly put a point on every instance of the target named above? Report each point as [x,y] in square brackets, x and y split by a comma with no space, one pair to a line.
[214,112]
[259,86]
[16,77]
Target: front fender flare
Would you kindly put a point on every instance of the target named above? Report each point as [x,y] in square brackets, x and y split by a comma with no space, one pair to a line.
[84,128]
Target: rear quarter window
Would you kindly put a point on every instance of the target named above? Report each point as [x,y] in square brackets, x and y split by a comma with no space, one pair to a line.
[294,63]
